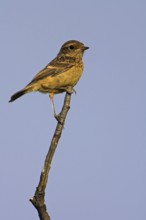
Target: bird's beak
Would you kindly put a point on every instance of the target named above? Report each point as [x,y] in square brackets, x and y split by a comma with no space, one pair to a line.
[85,48]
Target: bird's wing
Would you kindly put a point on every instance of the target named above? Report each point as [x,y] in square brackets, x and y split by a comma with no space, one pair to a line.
[52,69]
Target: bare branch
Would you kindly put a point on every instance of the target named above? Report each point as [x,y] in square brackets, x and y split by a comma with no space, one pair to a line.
[38,200]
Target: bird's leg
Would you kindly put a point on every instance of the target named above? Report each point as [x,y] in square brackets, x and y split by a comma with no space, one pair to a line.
[51,96]
[57,117]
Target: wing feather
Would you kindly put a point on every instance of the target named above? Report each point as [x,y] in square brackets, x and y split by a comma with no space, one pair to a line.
[52,69]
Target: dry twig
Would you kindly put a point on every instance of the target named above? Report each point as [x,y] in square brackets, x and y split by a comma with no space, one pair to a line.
[38,200]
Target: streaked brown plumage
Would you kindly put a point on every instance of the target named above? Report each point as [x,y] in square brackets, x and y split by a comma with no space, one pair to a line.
[63,71]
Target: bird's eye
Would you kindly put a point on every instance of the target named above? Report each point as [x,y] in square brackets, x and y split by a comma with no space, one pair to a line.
[71,47]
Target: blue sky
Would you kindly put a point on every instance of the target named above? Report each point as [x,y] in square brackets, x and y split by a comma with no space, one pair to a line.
[98,171]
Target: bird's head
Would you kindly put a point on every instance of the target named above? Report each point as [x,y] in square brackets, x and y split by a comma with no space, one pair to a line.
[73,48]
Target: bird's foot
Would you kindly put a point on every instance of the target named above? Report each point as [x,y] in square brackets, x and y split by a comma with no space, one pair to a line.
[58,118]
[70,90]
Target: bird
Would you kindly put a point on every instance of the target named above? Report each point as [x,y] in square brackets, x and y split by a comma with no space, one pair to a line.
[62,72]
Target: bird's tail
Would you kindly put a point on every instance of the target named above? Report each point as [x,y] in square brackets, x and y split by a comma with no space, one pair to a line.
[18,94]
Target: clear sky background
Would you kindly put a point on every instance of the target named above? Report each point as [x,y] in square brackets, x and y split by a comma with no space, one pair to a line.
[99,168]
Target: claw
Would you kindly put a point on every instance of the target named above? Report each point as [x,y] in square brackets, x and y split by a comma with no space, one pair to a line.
[74,91]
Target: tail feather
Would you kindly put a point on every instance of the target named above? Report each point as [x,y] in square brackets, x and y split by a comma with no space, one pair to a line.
[17,95]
